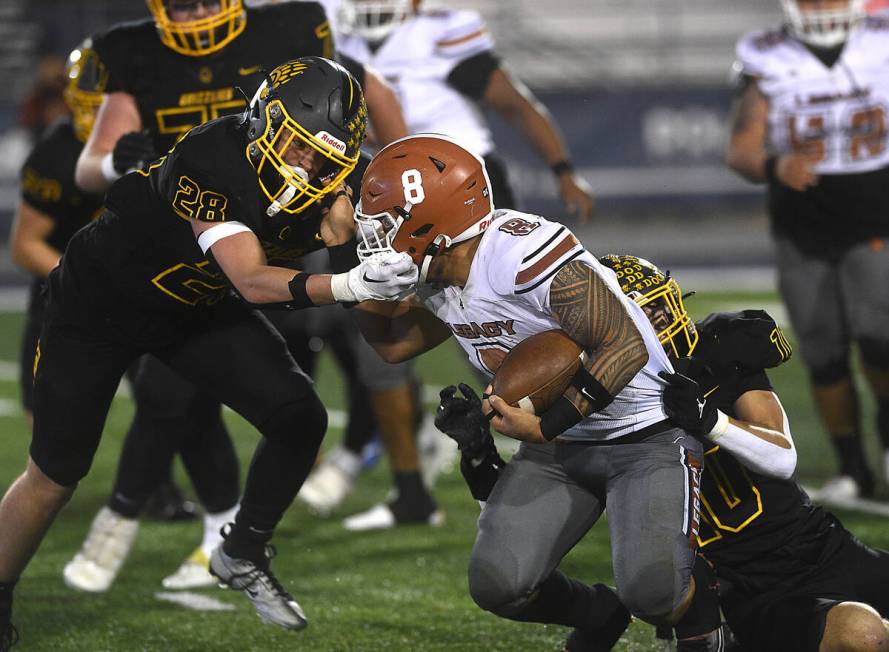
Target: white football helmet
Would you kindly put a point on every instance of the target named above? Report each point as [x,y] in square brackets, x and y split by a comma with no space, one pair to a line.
[373,20]
[822,23]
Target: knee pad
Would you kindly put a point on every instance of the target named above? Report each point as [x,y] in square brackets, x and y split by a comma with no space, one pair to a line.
[650,596]
[491,591]
[874,354]
[300,424]
[829,373]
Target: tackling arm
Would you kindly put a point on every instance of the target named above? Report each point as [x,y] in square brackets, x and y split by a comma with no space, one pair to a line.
[399,331]
[118,115]
[759,436]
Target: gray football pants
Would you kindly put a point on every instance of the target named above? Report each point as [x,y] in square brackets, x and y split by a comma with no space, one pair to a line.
[550,495]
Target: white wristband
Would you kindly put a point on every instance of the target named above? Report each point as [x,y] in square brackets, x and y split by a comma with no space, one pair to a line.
[339,288]
[722,423]
[107,167]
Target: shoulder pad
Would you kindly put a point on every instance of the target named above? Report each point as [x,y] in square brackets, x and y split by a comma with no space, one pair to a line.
[748,340]
[752,50]
[462,33]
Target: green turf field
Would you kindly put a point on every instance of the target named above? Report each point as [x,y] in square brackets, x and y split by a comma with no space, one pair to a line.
[402,590]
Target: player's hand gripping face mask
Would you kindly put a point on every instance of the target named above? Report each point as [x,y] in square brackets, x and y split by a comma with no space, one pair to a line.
[305,126]
[421,195]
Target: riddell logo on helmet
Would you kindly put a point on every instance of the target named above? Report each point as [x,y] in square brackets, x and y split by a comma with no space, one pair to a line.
[336,143]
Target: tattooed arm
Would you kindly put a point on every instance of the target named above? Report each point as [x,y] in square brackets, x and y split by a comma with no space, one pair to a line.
[746,152]
[595,318]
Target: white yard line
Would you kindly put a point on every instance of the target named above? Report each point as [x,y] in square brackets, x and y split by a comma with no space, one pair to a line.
[195,601]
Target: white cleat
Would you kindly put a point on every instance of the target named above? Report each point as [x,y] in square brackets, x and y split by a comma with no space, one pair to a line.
[381,517]
[103,552]
[331,482]
[838,489]
[437,451]
[193,573]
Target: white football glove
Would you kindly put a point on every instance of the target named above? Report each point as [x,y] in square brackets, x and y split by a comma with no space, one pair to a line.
[387,276]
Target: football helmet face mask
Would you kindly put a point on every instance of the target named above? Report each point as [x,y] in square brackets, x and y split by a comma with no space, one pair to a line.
[305,125]
[660,297]
[201,33]
[421,195]
[85,80]
[822,23]
[373,20]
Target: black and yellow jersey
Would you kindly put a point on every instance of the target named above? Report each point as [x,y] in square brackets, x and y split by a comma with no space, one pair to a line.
[140,265]
[754,529]
[47,183]
[176,92]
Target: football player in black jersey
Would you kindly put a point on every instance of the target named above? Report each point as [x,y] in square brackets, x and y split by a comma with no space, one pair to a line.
[155,274]
[52,207]
[790,576]
[163,76]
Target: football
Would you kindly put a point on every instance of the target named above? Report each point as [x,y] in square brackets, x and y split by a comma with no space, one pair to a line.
[536,372]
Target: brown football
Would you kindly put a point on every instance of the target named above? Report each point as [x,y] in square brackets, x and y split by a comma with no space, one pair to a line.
[536,372]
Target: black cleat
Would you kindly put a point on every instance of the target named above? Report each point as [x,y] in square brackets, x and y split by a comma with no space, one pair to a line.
[602,638]
[168,504]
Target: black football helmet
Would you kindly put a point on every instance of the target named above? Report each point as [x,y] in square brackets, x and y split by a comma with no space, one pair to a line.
[305,126]
[85,80]
[660,297]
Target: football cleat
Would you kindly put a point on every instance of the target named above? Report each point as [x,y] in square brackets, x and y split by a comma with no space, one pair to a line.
[382,517]
[273,604]
[838,489]
[106,547]
[331,482]
[602,638]
[193,573]
[167,503]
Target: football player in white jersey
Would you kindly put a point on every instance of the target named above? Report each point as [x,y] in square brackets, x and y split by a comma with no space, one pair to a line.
[444,68]
[492,278]
[811,123]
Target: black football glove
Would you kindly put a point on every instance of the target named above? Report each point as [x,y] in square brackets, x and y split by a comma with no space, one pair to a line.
[132,150]
[481,472]
[462,419]
[685,407]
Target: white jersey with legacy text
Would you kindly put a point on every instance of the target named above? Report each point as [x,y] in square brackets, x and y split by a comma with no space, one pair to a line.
[506,299]
[839,113]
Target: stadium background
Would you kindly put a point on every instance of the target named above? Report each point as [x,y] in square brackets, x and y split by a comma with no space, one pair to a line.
[641,90]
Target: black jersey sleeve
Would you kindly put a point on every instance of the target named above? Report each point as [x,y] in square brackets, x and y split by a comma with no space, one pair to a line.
[126,51]
[45,184]
[471,76]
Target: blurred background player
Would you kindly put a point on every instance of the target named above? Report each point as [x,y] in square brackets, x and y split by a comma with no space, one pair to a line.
[166,75]
[811,123]
[51,207]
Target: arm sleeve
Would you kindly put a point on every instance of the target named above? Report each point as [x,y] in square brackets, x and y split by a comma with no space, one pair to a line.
[471,76]
[758,454]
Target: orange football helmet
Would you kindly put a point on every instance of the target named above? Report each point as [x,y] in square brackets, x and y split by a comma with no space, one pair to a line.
[421,195]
